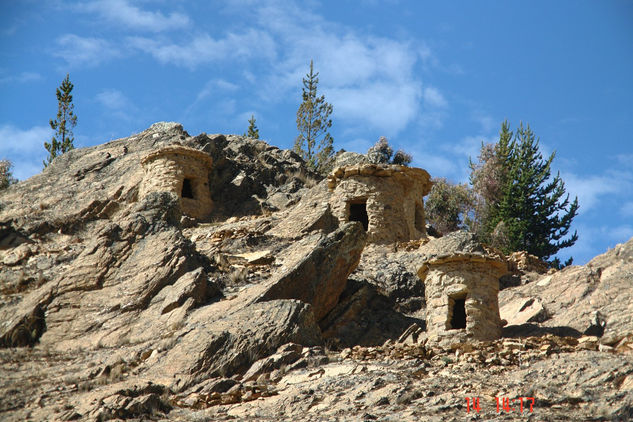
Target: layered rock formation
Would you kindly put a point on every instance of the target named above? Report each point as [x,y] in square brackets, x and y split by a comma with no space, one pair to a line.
[118,303]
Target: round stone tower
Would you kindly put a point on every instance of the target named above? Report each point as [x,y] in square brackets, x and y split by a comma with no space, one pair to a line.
[183,171]
[461,291]
[385,198]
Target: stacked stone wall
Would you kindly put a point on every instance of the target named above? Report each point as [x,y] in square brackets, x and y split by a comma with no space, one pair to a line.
[470,276]
[393,196]
[166,171]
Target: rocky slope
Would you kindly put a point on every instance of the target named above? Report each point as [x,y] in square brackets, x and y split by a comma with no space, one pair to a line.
[118,307]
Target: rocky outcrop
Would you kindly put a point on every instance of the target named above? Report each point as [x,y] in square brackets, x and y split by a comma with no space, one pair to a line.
[596,298]
[317,269]
[115,305]
[229,345]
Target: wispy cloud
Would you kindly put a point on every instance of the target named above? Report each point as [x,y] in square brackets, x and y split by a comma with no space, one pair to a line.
[112,99]
[122,12]
[21,77]
[205,49]
[210,87]
[434,98]
[591,189]
[591,237]
[371,80]
[627,209]
[84,51]
[24,148]
[117,104]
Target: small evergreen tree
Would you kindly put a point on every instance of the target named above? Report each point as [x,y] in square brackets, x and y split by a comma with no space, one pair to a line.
[382,153]
[62,140]
[525,208]
[253,131]
[6,175]
[314,143]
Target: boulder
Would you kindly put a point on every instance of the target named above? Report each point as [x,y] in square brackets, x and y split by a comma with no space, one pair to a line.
[317,271]
[523,310]
[232,344]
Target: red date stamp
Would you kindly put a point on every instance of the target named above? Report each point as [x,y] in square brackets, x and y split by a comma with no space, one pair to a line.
[504,404]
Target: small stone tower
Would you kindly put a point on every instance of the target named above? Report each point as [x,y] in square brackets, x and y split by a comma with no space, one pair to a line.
[385,198]
[461,292]
[183,171]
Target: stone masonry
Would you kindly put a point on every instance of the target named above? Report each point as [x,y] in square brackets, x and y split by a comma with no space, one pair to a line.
[183,171]
[462,297]
[385,198]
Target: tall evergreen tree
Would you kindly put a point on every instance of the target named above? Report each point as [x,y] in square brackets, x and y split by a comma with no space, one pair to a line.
[314,143]
[531,209]
[62,140]
[253,131]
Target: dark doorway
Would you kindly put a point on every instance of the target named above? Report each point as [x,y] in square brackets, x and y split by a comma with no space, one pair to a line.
[187,189]
[358,212]
[458,319]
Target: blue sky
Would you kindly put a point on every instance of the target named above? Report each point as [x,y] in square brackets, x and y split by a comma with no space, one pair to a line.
[436,78]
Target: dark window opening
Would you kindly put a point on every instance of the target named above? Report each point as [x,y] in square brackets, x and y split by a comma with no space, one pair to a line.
[419,218]
[358,212]
[187,189]
[458,319]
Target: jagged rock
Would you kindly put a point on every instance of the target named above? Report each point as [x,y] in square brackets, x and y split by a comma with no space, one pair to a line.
[285,355]
[113,304]
[312,213]
[230,344]
[316,272]
[574,295]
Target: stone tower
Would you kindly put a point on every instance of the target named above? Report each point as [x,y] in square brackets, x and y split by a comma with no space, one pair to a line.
[461,291]
[183,171]
[385,198]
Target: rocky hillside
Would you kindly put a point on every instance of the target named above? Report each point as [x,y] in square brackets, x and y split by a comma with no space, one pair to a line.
[114,306]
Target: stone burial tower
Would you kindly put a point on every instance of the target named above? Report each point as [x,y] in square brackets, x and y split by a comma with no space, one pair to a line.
[385,198]
[183,171]
[461,290]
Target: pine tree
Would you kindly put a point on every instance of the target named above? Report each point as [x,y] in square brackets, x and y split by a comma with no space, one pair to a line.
[532,211]
[62,140]
[253,131]
[6,175]
[314,143]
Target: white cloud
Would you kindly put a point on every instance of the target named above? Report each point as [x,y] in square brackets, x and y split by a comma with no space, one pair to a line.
[592,238]
[486,121]
[627,209]
[590,189]
[121,12]
[212,86]
[21,77]
[205,49]
[112,99]
[24,148]
[78,51]
[386,107]
[434,98]
[371,81]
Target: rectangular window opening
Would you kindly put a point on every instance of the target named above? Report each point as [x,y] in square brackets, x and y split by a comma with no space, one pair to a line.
[358,212]
[458,313]
[187,189]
